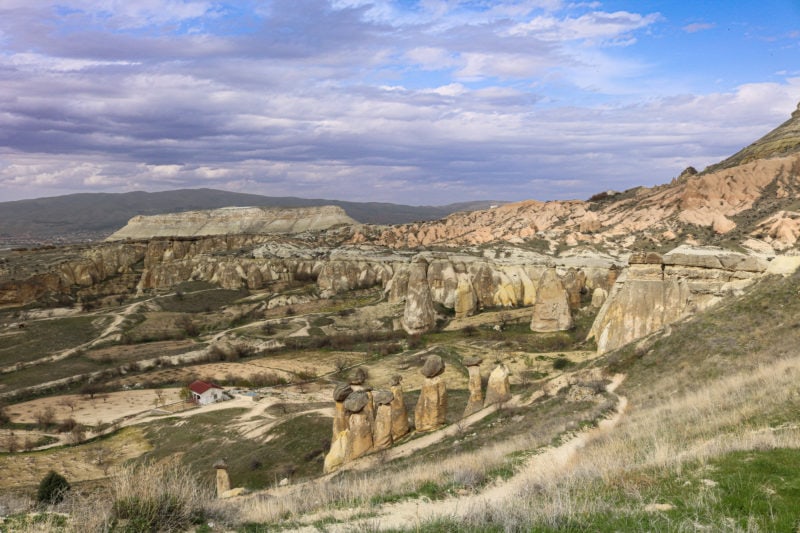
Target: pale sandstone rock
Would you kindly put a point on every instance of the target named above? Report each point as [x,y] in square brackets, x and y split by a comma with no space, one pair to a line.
[498,390]
[339,452]
[233,493]
[551,310]
[382,434]
[360,435]
[784,265]
[465,299]
[599,296]
[340,420]
[253,220]
[419,315]
[475,401]
[431,406]
[400,424]
[650,295]
[223,479]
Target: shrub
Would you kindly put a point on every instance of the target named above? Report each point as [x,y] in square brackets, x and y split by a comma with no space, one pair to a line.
[561,363]
[52,488]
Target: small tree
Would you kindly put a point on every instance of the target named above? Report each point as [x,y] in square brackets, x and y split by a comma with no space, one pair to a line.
[45,417]
[185,394]
[52,488]
[12,444]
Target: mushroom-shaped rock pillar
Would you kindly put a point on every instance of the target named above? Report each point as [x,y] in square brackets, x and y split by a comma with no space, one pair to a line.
[382,430]
[360,431]
[475,402]
[399,412]
[432,404]
[223,479]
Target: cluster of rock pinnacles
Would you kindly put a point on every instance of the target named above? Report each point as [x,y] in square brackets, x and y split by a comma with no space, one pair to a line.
[365,420]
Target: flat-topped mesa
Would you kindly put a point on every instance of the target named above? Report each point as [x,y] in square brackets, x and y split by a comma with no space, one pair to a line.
[233,220]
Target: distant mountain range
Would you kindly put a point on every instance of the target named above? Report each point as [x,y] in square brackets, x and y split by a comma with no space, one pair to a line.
[92,216]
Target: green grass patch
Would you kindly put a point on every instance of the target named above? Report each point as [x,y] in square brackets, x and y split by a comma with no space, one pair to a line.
[45,337]
[201,300]
[296,450]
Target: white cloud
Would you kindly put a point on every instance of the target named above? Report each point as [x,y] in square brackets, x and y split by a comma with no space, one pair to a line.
[698,26]
[596,26]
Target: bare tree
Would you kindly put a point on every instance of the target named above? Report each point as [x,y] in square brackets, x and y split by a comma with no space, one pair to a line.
[45,417]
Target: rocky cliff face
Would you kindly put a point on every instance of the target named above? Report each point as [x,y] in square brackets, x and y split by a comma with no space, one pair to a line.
[33,275]
[734,200]
[233,220]
[656,290]
[464,282]
[721,201]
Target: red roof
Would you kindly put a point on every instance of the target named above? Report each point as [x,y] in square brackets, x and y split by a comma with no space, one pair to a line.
[199,387]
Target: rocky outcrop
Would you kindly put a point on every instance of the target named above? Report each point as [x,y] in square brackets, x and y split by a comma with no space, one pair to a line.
[382,434]
[498,389]
[475,401]
[30,276]
[655,291]
[551,312]
[340,418]
[359,425]
[222,477]
[431,406]
[233,220]
[399,413]
[723,197]
[419,315]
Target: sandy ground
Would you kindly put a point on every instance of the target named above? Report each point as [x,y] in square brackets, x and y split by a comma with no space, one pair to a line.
[105,407]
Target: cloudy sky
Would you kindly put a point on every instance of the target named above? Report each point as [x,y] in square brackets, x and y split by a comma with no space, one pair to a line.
[420,102]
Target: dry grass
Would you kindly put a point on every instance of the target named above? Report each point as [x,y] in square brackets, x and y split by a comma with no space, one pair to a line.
[747,411]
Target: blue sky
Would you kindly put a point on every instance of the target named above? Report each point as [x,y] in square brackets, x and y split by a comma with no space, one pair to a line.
[420,102]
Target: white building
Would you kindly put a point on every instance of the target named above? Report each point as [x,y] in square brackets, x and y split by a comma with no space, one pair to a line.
[204,393]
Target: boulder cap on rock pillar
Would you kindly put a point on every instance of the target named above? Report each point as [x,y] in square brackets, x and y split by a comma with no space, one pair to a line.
[396,380]
[358,376]
[223,479]
[434,366]
[356,402]
[382,397]
[431,407]
[341,392]
[472,361]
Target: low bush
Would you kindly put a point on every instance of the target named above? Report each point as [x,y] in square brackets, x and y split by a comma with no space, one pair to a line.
[52,488]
